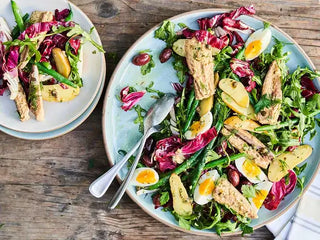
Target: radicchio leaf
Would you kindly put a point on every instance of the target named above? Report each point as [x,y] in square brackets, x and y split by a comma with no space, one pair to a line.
[307,86]
[199,142]
[49,43]
[241,68]
[177,86]
[130,99]
[279,190]
[61,15]
[235,25]
[75,43]
[165,150]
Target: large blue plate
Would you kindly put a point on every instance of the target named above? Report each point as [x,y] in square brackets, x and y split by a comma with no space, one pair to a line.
[121,133]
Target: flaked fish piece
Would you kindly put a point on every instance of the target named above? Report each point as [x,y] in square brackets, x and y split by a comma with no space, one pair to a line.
[271,88]
[246,143]
[35,95]
[22,104]
[226,194]
[200,62]
[36,16]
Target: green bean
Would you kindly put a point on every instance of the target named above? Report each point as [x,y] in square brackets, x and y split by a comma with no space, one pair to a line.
[191,115]
[17,16]
[55,75]
[276,126]
[190,101]
[189,163]
[15,31]
[199,168]
[70,15]
[240,54]
[224,160]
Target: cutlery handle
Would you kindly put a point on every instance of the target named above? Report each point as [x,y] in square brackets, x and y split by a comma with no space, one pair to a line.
[117,197]
[99,187]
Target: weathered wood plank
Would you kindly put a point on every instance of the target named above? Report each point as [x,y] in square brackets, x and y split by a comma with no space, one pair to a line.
[44,184]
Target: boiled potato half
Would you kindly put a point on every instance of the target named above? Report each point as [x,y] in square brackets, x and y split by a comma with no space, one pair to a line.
[182,204]
[55,93]
[205,105]
[249,111]
[238,123]
[236,90]
[286,161]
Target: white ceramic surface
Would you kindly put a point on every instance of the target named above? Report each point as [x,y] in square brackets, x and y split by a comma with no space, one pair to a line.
[57,115]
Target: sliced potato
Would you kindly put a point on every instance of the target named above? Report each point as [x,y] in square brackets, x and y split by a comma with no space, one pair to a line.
[286,161]
[55,93]
[182,204]
[62,62]
[178,47]
[236,90]
[249,111]
[238,123]
[205,105]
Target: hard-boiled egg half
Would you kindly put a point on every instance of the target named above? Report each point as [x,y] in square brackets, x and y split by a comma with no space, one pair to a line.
[262,190]
[143,177]
[205,187]
[250,170]
[257,43]
[199,127]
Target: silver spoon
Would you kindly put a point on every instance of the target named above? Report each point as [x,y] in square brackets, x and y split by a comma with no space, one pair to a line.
[154,117]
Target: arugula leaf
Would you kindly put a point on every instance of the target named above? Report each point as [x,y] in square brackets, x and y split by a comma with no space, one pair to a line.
[139,120]
[164,198]
[300,185]
[248,191]
[166,32]
[149,89]
[299,170]
[211,156]
[145,69]
[225,227]
[266,25]
[184,223]
[74,60]
[246,229]
[30,42]
[265,102]
[207,216]
[180,67]
[77,30]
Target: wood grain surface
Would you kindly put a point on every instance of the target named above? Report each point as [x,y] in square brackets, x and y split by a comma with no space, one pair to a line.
[44,184]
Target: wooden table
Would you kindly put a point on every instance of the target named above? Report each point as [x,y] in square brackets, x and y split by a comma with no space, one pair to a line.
[44,184]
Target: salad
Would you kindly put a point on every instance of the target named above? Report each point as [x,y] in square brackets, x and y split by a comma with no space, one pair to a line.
[233,142]
[41,59]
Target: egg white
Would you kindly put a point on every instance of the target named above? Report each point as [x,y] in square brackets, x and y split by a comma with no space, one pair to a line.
[134,181]
[265,185]
[205,122]
[264,35]
[259,178]
[203,199]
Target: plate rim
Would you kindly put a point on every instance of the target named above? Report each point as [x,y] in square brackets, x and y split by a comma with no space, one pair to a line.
[104,120]
[103,72]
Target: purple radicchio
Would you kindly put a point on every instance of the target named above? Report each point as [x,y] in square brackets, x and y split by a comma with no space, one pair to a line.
[129,99]
[61,15]
[279,190]
[307,86]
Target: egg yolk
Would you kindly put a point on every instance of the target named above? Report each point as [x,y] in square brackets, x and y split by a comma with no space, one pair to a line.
[259,198]
[250,169]
[206,187]
[146,177]
[253,49]
[196,127]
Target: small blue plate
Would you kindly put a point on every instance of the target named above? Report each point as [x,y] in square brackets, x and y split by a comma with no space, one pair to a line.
[120,132]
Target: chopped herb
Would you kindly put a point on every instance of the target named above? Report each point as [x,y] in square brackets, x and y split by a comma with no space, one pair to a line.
[283,165]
